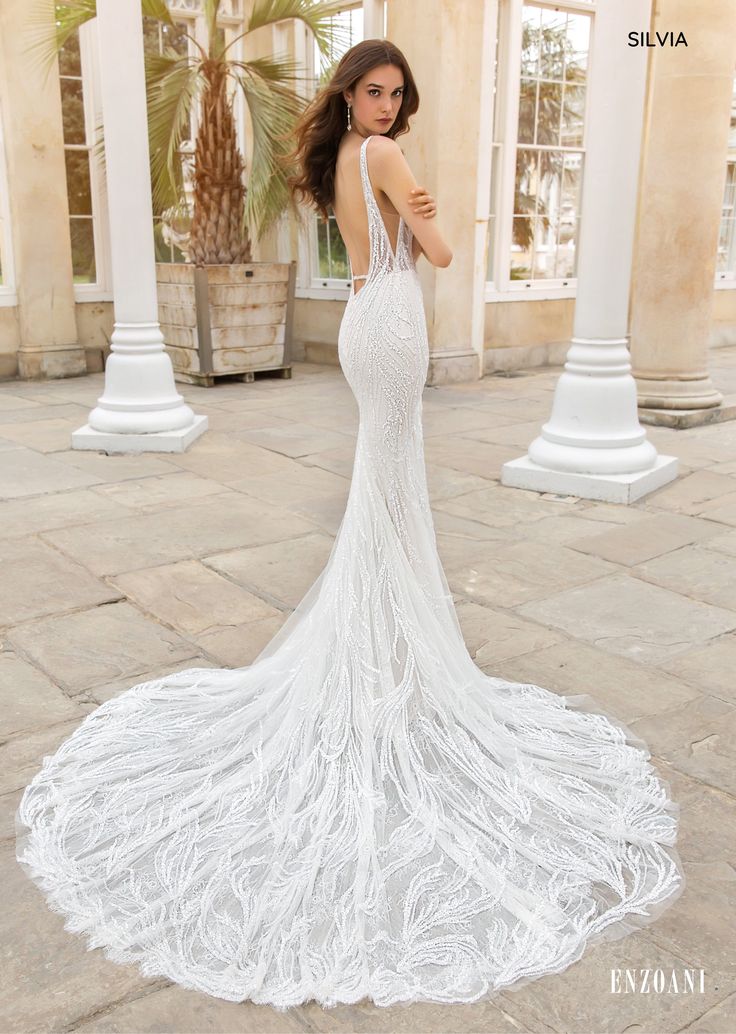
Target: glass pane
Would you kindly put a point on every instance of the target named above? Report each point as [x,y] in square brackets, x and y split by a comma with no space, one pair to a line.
[522,243]
[527,110]
[493,209]
[578,44]
[572,178]
[543,264]
[69,60]
[323,251]
[726,254]
[549,112]
[174,39]
[525,186]
[345,29]
[550,165]
[151,35]
[77,182]
[338,255]
[530,20]
[566,249]
[552,44]
[72,111]
[83,251]
[573,111]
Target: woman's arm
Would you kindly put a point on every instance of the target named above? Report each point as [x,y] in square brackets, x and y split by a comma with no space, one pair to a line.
[416,248]
[393,175]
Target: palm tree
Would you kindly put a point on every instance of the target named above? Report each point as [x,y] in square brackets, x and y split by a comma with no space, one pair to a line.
[226,214]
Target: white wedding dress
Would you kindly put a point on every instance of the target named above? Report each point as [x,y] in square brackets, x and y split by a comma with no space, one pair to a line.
[360,812]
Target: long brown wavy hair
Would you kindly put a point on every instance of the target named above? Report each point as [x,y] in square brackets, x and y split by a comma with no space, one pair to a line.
[323,122]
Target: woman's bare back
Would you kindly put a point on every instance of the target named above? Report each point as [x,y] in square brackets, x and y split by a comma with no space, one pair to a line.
[350,211]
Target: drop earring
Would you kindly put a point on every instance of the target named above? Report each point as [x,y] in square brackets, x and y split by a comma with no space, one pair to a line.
[349,117]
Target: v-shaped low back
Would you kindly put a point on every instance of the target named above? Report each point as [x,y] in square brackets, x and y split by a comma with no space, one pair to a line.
[383,257]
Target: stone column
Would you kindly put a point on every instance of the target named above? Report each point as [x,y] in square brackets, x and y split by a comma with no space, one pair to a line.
[140,409]
[445,42]
[593,445]
[39,209]
[683,177]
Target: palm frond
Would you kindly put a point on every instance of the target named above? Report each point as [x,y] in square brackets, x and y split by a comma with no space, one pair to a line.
[329,35]
[273,109]
[50,24]
[173,84]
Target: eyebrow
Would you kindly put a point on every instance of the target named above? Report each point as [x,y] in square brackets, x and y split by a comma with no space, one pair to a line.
[380,86]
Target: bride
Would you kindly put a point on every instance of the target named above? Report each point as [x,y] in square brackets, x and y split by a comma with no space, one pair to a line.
[361,812]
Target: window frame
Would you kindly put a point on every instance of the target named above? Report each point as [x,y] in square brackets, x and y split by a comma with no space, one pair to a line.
[101,289]
[505,137]
[726,280]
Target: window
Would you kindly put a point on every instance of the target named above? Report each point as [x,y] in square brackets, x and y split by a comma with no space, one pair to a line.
[536,181]
[726,257]
[332,257]
[77,157]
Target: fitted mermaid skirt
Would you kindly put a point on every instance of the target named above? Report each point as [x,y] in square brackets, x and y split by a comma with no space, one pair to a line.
[361,812]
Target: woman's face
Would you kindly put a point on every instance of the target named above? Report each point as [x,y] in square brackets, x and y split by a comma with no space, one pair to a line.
[376,99]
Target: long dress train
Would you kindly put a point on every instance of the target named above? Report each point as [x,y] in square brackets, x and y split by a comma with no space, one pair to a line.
[361,811]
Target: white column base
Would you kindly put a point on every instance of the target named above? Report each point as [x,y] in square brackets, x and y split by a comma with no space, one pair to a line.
[177,440]
[608,488]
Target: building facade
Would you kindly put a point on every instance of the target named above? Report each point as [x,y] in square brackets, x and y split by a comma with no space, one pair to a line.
[500,141]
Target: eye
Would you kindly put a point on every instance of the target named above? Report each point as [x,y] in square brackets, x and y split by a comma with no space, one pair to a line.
[373,90]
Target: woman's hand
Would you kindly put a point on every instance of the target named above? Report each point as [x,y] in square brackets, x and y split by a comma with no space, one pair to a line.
[423,202]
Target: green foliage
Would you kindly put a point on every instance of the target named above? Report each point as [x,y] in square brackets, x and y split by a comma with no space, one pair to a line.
[176,83]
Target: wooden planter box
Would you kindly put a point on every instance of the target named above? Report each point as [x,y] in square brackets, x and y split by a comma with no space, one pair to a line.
[230,320]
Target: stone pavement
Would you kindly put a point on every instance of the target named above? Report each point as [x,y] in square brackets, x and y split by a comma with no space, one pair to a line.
[116,569]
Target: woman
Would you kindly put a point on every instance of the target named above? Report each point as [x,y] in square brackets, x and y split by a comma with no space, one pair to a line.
[361,812]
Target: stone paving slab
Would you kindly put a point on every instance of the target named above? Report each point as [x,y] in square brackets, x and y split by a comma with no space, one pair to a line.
[510,573]
[191,598]
[495,635]
[81,649]
[628,616]
[37,580]
[695,571]
[19,517]
[649,537]
[710,668]
[621,686]
[175,1009]
[24,472]
[696,738]
[197,529]
[571,1001]
[55,979]
[280,572]
[28,697]
[721,1019]
[148,494]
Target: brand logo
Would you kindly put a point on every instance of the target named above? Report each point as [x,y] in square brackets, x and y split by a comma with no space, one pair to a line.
[655,981]
[656,39]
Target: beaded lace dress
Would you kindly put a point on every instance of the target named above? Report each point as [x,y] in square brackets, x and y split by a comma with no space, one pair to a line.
[361,812]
